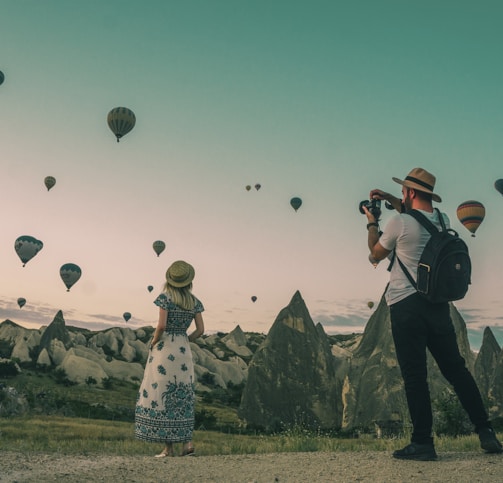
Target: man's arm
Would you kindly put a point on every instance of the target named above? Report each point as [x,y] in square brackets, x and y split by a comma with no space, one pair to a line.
[377,251]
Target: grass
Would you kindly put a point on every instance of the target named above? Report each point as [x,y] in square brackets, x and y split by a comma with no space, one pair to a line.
[56,434]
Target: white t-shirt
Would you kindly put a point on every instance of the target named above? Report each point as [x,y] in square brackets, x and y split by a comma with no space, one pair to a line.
[407,237]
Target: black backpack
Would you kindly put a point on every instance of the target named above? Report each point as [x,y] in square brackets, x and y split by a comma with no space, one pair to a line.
[444,269]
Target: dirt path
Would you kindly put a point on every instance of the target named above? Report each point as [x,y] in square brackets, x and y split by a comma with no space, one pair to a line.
[373,467]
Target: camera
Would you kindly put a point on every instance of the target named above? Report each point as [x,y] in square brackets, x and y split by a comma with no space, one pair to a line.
[373,205]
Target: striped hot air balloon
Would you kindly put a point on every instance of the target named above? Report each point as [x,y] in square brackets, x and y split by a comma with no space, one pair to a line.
[471,214]
[70,274]
[121,120]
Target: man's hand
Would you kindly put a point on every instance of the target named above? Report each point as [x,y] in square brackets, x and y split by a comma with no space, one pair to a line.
[392,200]
[370,217]
[379,194]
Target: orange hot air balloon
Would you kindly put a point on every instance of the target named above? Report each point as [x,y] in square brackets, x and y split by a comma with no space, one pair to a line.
[498,184]
[471,214]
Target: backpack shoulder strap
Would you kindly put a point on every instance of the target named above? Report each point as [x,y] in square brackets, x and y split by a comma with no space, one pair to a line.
[427,223]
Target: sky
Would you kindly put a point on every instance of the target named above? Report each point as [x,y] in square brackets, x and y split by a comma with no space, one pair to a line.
[324,100]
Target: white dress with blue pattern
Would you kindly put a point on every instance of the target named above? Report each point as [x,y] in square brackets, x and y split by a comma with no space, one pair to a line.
[165,402]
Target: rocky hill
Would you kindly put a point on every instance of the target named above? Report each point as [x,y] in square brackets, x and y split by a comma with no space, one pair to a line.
[294,375]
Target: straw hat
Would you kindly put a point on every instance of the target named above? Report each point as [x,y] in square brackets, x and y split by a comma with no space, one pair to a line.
[420,180]
[180,274]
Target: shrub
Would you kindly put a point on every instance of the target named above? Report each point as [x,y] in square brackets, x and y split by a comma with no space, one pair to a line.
[61,377]
[5,348]
[107,383]
[8,368]
[91,380]
[208,379]
[450,419]
[205,419]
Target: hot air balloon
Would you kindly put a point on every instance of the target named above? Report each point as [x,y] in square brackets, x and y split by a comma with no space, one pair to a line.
[258,186]
[471,214]
[248,187]
[21,301]
[370,304]
[70,273]
[498,184]
[49,182]
[296,203]
[158,246]
[121,120]
[27,247]
[2,77]
[253,298]
[150,288]
[126,316]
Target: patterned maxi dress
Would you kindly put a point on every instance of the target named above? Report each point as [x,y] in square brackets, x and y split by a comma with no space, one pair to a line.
[165,402]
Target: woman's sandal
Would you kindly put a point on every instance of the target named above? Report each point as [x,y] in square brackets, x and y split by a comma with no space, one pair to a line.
[190,451]
[165,453]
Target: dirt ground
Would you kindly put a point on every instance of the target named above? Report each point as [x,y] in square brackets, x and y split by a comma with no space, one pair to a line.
[373,467]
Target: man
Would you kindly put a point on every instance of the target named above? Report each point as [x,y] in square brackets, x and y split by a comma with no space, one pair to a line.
[418,324]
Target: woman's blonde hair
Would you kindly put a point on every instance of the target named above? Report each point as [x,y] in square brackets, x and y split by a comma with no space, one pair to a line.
[181,296]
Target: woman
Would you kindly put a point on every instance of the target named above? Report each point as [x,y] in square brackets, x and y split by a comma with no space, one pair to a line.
[165,403]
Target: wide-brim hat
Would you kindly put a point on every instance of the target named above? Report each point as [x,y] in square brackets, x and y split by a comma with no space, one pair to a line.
[419,179]
[180,274]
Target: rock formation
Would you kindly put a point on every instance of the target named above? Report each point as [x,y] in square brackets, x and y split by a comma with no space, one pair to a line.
[295,375]
[56,331]
[16,341]
[486,361]
[236,342]
[118,353]
[292,375]
[496,390]
[11,402]
[373,391]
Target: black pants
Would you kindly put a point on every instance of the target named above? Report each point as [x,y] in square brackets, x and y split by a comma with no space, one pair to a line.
[416,325]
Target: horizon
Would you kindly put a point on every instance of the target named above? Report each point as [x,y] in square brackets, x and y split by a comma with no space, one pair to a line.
[475,335]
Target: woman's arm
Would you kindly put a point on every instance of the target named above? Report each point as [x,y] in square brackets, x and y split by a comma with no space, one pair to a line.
[161,326]
[198,319]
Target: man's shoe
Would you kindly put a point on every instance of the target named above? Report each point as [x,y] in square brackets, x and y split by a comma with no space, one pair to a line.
[417,452]
[488,441]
